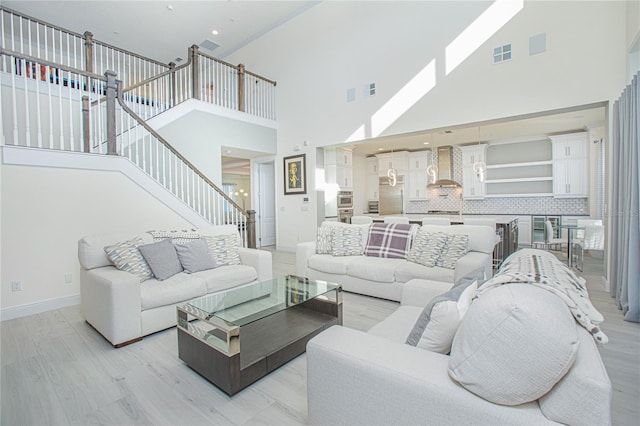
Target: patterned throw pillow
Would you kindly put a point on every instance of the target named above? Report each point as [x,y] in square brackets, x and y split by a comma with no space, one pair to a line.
[454,248]
[346,241]
[427,247]
[177,237]
[389,240]
[126,257]
[224,249]
[323,240]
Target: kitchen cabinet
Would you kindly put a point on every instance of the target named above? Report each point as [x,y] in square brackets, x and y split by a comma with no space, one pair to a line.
[419,160]
[472,187]
[524,231]
[373,183]
[570,165]
[397,160]
[417,185]
[372,166]
[339,167]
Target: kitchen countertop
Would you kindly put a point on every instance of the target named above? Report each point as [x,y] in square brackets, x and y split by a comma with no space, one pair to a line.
[454,218]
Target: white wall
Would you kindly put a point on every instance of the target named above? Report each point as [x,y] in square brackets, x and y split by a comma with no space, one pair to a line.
[335,46]
[46,210]
[200,133]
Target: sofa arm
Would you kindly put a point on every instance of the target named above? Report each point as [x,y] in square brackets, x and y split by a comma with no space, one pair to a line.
[357,378]
[260,260]
[110,301]
[419,292]
[303,252]
[471,261]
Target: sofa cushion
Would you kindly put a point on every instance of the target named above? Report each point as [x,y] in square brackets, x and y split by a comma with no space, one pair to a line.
[427,247]
[178,288]
[126,257]
[224,249]
[330,264]
[514,344]
[226,277]
[409,270]
[161,258]
[391,240]
[346,241]
[454,248]
[195,256]
[397,326]
[439,320]
[374,268]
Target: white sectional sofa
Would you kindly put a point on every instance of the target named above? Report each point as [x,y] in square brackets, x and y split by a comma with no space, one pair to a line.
[123,309]
[518,357]
[384,277]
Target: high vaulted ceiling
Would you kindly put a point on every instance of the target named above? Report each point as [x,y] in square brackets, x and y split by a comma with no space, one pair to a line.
[164,30]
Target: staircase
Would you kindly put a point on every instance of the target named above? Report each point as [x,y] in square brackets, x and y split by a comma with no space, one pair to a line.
[67,91]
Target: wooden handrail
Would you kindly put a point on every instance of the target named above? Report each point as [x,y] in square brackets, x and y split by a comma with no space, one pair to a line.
[157,76]
[236,67]
[52,64]
[176,153]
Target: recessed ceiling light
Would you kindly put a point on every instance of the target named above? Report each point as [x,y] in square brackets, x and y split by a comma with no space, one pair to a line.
[169,7]
[425,143]
[228,151]
[214,32]
[380,149]
[116,32]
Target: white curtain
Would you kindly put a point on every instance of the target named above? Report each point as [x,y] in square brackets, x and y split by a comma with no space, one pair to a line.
[625,207]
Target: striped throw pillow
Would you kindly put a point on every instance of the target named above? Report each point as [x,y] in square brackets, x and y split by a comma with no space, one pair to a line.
[224,249]
[323,240]
[127,257]
[346,241]
[454,248]
[427,247]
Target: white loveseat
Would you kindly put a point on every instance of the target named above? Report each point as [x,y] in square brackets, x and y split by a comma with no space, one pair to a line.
[123,309]
[374,377]
[384,277]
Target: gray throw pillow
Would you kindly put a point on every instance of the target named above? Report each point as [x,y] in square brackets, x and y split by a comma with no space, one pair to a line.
[439,320]
[194,256]
[162,259]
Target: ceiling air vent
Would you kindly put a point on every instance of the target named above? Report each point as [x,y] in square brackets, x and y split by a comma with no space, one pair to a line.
[209,45]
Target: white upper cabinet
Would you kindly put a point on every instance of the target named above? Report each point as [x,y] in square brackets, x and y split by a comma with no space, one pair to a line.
[472,187]
[372,166]
[419,160]
[396,160]
[570,165]
[339,167]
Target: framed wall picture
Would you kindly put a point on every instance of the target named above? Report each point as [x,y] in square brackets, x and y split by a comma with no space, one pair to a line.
[295,174]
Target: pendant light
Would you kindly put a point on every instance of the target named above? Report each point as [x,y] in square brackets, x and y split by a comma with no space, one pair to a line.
[480,167]
[391,173]
[432,170]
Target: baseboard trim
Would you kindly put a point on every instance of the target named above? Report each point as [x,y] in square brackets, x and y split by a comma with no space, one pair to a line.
[38,307]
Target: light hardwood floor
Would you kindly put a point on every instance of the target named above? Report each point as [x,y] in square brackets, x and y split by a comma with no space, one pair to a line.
[58,370]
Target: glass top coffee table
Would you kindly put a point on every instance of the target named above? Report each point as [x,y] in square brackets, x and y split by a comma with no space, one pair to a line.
[235,337]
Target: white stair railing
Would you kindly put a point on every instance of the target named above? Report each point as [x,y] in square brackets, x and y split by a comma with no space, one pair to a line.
[149,151]
[52,106]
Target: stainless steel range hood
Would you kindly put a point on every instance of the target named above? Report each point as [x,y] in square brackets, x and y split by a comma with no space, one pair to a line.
[445,169]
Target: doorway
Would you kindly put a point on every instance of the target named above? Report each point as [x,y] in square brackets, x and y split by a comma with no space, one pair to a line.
[266,205]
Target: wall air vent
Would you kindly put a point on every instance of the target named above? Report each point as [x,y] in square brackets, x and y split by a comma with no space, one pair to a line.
[209,45]
[502,53]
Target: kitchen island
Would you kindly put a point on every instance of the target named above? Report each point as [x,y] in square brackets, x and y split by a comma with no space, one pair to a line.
[506,228]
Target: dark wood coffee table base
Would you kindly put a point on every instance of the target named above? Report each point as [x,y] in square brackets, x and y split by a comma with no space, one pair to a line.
[265,344]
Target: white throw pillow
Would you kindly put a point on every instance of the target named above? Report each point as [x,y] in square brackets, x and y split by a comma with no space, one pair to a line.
[437,324]
[126,257]
[515,343]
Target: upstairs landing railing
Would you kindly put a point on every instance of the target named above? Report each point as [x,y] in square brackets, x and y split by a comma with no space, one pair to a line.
[59,107]
[149,87]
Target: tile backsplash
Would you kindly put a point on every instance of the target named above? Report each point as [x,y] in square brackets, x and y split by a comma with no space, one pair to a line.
[506,205]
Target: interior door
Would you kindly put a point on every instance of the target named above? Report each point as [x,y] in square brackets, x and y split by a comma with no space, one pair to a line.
[266,212]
